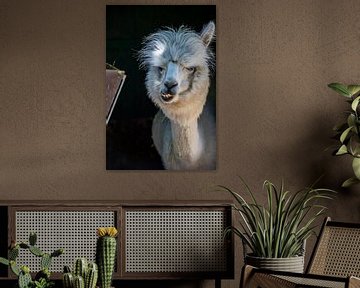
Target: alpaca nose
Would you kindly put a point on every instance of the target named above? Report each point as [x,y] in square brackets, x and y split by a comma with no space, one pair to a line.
[169,84]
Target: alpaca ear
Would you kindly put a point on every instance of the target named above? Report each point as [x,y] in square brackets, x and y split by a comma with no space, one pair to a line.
[208,33]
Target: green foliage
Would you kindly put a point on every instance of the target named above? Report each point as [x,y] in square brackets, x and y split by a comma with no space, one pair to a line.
[4,261]
[44,273]
[348,132]
[279,229]
[42,278]
[42,283]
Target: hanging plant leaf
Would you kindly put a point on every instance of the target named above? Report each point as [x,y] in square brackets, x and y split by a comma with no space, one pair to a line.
[356,167]
[340,88]
[351,119]
[342,150]
[355,103]
[353,89]
[349,182]
[354,145]
[345,134]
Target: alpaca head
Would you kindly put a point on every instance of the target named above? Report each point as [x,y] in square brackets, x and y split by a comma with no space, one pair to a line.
[177,63]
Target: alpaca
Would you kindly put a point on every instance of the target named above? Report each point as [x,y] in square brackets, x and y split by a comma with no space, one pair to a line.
[178,63]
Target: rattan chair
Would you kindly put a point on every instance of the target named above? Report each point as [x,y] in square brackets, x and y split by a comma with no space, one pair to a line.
[334,263]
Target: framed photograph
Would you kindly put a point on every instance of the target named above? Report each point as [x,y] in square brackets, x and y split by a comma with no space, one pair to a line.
[161,87]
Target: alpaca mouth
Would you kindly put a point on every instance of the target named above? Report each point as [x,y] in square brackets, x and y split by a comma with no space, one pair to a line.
[167,97]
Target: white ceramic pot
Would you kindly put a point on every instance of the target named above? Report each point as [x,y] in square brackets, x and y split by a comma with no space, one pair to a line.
[291,264]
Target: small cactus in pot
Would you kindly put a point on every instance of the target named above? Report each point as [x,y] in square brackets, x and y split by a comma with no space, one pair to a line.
[106,254]
[91,276]
[85,275]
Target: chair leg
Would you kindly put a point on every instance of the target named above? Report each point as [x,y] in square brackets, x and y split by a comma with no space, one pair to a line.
[354,282]
[250,278]
[246,273]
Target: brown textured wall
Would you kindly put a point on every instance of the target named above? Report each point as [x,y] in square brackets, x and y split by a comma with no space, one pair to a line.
[275,113]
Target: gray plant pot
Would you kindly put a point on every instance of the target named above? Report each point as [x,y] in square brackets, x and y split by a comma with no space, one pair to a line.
[291,264]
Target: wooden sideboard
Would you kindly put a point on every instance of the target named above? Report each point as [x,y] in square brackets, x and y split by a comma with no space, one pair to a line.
[157,240]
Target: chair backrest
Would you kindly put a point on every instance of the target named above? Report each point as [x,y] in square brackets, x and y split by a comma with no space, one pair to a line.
[337,251]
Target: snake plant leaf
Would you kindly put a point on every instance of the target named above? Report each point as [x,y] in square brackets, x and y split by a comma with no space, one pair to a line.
[355,103]
[342,150]
[340,88]
[349,182]
[345,134]
[353,89]
[278,228]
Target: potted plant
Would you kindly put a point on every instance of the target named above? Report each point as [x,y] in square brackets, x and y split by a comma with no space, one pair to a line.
[106,254]
[348,132]
[84,274]
[87,274]
[42,278]
[275,233]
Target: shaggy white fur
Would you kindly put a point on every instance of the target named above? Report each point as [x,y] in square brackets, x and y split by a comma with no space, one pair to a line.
[178,64]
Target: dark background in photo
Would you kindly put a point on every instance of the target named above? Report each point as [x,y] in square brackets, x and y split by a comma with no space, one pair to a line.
[129,145]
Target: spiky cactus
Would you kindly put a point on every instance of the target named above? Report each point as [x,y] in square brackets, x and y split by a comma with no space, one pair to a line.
[106,254]
[91,276]
[68,280]
[42,278]
[80,268]
[79,282]
[84,274]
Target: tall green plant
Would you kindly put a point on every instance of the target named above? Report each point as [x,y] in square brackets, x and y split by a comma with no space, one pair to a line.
[348,132]
[279,229]
[106,254]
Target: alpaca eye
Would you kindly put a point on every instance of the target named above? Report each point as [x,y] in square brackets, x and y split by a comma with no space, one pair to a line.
[161,69]
[190,69]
